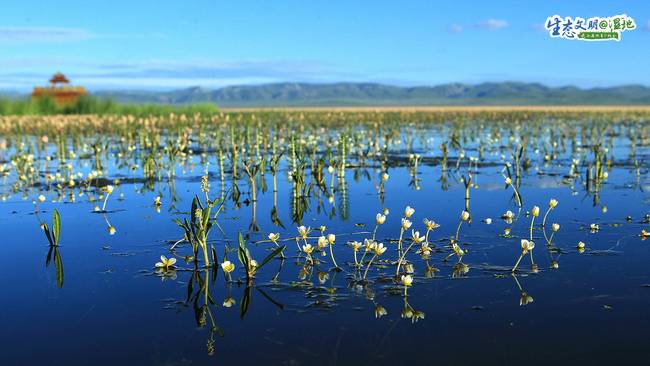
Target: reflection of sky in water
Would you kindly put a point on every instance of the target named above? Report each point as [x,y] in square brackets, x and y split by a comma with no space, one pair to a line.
[113,310]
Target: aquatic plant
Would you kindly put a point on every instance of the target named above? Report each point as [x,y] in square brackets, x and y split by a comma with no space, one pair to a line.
[54,233]
[108,190]
[377,249]
[166,263]
[551,205]
[527,246]
[198,227]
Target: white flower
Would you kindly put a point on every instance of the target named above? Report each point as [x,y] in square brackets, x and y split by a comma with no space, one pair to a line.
[229,302]
[331,238]
[555,227]
[228,266]
[527,245]
[464,216]
[307,248]
[379,249]
[407,280]
[406,224]
[166,263]
[322,242]
[535,211]
[488,221]
[109,189]
[508,181]
[369,245]
[430,224]
[594,227]
[380,219]
[303,231]
[274,237]
[552,203]
[581,245]
[41,198]
[415,236]
[355,246]
[508,215]
[408,212]
[380,311]
[425,249]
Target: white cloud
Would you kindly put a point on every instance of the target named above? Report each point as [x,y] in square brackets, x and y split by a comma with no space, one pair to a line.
[492,24]
[43,34]
[165,74]
[537,27]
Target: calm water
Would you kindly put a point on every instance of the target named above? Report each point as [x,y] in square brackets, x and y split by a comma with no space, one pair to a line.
[107,305]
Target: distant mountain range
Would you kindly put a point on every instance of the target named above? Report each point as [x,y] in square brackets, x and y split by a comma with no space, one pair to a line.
[371,94]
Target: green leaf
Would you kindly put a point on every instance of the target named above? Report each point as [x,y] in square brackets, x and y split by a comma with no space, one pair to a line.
[242,254]
[58,264]
[46,229]
[56,226]
[245,302]
[271,255]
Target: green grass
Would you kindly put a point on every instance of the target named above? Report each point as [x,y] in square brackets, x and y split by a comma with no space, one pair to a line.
[90,105]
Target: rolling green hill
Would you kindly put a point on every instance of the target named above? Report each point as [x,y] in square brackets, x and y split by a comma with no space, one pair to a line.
[366,94]
[370,94]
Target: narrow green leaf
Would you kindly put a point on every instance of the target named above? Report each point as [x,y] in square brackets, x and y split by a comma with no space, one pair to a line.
[56,226]
[271,255]
[245,302]
[46,229]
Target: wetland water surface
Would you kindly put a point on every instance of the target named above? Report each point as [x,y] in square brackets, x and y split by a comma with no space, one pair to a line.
[98,299]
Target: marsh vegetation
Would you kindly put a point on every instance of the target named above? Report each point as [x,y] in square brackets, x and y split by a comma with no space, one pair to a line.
[326,236]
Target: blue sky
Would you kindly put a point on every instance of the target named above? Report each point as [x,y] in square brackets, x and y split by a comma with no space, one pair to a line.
[165,44]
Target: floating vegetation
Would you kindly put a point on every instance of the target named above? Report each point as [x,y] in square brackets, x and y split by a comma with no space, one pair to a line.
[313,211]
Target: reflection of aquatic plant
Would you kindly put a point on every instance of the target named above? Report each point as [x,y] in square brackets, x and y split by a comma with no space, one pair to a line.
[53,252]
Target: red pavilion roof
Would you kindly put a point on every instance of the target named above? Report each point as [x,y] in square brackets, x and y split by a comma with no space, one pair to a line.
[59,78]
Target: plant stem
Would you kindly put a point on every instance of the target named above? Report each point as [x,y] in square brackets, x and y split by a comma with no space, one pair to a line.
[546,214]
[399,261]
[531,228]
[458,229]
[369,264]
[105,200]
[332,255]
[399,244]
[517,264]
